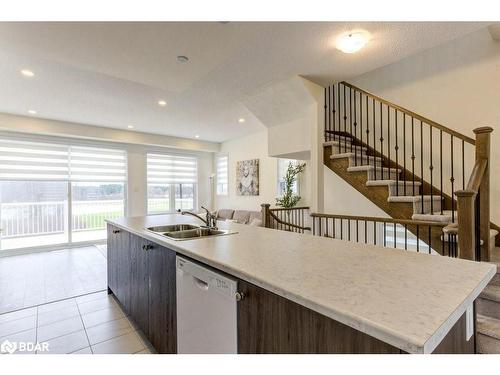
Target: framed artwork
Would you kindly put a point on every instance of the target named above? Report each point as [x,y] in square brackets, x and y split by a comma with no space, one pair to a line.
[247,177]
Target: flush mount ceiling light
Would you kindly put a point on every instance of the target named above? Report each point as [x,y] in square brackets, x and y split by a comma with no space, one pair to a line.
[162,103]
[27,73]
[241,120]
[197,136]
[130,126]
[352,42]
[182,59]
[31,111]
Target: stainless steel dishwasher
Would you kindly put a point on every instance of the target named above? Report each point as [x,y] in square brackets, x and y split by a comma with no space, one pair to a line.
[206,310]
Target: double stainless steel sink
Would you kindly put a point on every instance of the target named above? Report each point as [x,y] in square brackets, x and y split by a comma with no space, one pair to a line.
[182,232]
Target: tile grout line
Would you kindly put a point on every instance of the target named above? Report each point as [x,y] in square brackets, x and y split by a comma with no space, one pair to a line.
[84,328]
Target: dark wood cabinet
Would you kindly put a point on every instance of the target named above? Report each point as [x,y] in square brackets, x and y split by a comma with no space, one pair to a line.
[119,265]
[268,323]
[139,283]
[141,275]
[162,299]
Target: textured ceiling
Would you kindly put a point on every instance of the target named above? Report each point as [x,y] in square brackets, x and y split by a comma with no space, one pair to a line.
[112,74]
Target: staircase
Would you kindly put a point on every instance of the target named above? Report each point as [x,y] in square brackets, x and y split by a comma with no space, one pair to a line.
[418,171]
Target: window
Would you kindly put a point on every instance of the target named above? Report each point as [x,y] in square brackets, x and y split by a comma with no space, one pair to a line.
[55,193]
[282,168]
[172,183]
[222,174]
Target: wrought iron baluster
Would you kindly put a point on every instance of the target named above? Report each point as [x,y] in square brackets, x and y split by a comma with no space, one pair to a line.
[406,236]
[452,180]
[430,238]
[385,235]
[441,167]
[463,164]
[431,168]
[381,142]
[394,233]
[326,133]
[413,154]
[396,148]
[422,164]
[333,107]
[389,141]
[404,153]
[357,231]
[355,131]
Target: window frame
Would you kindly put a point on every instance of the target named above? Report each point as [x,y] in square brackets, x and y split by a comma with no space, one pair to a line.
[279,193]
[171,196]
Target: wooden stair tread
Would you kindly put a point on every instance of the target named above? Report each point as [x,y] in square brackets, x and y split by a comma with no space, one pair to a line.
[413,198]
[488,326]
[491,292]
[445,217]
[362,168]
[354,155]
[390,183]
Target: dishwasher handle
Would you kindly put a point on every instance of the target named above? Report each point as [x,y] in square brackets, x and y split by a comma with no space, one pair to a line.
[203,285]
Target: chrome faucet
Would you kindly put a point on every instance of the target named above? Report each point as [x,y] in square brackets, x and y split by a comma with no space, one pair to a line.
[210,221]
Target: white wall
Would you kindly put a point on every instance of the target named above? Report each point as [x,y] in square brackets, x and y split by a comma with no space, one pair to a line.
[456,84]
[254,146]
[341,198]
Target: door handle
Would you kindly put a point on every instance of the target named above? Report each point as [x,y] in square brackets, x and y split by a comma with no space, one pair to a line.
[116,231]
[200,283]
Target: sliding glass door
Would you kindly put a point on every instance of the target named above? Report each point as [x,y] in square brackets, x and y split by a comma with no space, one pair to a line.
[55,194]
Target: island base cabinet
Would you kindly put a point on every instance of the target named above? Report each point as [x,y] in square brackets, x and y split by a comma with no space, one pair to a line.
[139,283]
[141,275]
[162,300]
[268,323]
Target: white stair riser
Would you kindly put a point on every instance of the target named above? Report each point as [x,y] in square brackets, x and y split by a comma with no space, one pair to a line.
[488,307]
[400,191]
[487,344]
[417,207]
[378,174]
[342,150]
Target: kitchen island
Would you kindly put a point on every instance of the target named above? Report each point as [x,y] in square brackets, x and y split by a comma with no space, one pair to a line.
[302,294]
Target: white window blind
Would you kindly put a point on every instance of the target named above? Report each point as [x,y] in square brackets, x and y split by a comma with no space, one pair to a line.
[31,160]
[222,174]
[171,169]
[97,164]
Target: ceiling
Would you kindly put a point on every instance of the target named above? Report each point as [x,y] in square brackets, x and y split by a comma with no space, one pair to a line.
[112,74]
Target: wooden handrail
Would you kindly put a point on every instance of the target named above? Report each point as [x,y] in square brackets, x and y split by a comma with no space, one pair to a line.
[413,114]
[380,219]
[476,176]
[288,209]
[269,217]
[279,221]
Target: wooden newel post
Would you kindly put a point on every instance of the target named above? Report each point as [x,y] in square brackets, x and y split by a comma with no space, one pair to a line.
[466,222]
[266,215]
[483,141]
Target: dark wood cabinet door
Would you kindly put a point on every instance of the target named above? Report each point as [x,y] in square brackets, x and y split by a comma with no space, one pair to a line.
[268,323]
[122,292]
[139,282]
[162,299]
[112,250]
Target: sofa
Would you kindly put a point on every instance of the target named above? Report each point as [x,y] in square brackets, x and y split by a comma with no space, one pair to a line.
[240,216]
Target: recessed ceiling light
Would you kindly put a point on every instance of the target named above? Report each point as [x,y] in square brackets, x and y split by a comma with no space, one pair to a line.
[197,136]
[162,103]
[27,73]
[31,111]
[130,126]
[182,59]
[352,42]
[241,120]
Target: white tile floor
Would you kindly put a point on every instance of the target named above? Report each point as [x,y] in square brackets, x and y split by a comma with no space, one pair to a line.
[89,324]
[34,279]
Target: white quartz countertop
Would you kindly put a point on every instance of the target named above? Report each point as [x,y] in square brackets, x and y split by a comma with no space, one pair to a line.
[406,299]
